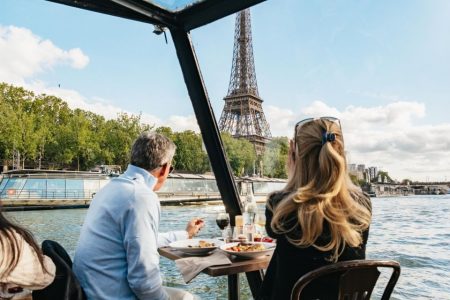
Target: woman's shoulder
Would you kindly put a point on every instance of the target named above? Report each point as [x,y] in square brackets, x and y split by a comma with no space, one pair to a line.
[275,197]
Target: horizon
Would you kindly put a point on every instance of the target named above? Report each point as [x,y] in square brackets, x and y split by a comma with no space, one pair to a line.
[387,81]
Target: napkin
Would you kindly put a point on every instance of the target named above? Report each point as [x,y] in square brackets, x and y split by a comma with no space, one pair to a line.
[189,267]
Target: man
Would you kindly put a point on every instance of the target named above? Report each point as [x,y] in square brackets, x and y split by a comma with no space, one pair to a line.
[116,256]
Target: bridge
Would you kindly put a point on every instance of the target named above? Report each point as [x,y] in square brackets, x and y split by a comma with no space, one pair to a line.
[388,189]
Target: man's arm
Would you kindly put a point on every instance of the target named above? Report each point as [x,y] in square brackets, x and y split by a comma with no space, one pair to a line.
[192,228]
[140,228]
[165,238]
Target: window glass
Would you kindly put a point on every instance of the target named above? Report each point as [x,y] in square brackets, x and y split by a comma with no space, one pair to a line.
[3,183]
[91,187]
[13,187]
[74,189]
[174,5]
[34,188]
[56,188]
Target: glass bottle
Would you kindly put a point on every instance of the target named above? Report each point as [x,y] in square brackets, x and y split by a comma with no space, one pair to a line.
[250,208]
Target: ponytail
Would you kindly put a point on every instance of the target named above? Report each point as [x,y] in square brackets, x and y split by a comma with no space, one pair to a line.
[319,190]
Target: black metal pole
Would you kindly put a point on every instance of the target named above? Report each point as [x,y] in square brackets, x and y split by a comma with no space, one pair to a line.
[210,133]
[206,121]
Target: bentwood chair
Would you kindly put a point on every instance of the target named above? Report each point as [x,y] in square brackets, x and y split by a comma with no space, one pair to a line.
[356,280]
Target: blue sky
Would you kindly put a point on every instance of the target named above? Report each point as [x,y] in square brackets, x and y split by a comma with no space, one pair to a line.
[383,67]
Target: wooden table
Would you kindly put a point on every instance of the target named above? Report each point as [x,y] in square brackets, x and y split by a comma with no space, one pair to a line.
[238,265]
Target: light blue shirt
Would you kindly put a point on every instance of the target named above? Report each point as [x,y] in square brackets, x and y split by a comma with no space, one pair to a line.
[117,253]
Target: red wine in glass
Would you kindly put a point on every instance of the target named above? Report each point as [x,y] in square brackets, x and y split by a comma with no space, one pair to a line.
[222,221]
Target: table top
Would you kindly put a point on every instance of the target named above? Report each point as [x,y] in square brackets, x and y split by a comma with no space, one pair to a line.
[238,265]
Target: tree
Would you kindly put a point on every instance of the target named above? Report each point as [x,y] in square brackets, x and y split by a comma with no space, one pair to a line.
[119,136]
[190,156]
[275,157]
[354,179]
[18,132]
[241,154]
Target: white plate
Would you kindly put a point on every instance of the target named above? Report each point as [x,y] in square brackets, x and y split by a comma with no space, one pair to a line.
[250,254]
[191,246]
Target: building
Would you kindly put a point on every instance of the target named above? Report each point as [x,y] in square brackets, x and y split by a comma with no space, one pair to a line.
[351,167]
[373,172]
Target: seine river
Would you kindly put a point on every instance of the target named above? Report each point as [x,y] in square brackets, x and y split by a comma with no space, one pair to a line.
[412,230]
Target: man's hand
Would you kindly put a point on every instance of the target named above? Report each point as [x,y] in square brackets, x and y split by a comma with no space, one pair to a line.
[194,226]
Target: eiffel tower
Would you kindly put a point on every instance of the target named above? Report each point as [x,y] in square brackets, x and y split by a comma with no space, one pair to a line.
[242,115]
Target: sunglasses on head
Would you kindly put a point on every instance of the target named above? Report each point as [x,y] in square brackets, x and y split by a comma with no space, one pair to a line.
[170,169]
[307,120]
[326,136]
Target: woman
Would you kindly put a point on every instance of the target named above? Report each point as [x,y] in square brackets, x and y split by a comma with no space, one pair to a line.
[23,267]
[320,217]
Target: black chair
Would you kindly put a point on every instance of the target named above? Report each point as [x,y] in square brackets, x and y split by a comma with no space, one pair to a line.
[355,279]
[65,286]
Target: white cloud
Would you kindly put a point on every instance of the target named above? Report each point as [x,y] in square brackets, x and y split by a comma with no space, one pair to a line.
[24,54]
[181,123]
[389,137]
[279,119]
[102,107]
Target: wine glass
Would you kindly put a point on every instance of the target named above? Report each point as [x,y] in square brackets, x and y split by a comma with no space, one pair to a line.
[260,219]
[260,222]
[222,220]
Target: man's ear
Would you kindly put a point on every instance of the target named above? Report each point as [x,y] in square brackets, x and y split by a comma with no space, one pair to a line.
[162,170]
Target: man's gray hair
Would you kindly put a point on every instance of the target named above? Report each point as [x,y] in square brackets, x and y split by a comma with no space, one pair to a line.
[152,150]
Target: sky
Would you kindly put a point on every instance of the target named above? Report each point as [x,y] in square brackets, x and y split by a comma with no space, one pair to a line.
[382,67]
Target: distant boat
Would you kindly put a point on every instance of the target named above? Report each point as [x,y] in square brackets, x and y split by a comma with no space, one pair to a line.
[45,189]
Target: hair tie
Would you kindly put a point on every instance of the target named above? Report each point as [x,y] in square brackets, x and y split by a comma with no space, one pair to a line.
[328,137]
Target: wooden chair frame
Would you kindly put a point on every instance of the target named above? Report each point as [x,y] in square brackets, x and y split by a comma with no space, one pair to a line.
[357,280]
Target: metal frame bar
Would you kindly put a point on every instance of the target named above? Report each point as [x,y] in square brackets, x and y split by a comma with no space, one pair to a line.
[206,12]
[210,133]
[180,23]
[134,10]
[189,18]
[206,121]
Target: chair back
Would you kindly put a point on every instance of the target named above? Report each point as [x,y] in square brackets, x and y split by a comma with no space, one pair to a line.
[65,286]
[356,279]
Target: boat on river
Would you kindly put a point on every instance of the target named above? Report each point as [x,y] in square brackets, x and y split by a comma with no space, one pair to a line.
[45,189]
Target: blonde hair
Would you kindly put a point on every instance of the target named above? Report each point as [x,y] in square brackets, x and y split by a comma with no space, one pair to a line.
[319,191]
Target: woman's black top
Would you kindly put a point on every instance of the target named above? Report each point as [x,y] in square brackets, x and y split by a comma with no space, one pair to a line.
[290,262]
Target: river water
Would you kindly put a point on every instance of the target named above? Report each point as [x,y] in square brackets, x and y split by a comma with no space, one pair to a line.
[413,230]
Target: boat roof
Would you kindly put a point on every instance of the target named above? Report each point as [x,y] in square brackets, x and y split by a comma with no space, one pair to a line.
[181,14]
[34,173]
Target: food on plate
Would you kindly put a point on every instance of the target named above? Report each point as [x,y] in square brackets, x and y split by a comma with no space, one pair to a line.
[202,244]
[246,247]
[267,240]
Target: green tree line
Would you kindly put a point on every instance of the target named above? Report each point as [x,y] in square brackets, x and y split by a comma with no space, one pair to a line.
[41,131]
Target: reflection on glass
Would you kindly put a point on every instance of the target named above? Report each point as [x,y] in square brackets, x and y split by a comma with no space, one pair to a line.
[174,5]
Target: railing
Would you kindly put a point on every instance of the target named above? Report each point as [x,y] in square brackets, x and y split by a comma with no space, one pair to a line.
[35,194]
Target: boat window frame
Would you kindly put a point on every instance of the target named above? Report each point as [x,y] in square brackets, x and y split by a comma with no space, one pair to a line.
[179,24]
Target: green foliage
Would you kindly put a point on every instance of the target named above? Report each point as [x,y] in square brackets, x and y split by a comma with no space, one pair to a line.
[406,181]
[384,176]
[43,131]
[240,153]
[354,179]
[190,156]
[275,157]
